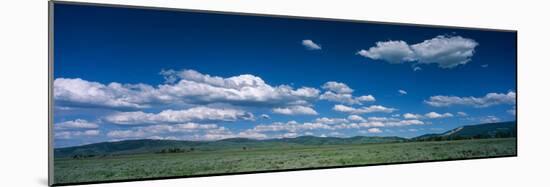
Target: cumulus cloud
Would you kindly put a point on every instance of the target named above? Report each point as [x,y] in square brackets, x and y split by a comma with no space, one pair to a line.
[390,51]
[395,121]
[330,121]
[290,126]
[379,122]
[402,92]
[346,98]
[158,130]
[309,44]
[179,116]
[337,87]
[480,102]
[185,131]
[342,93]
[374,130]
[78,92]
[430,115]
[330,124]
[365,98]
[412,116]
[170,75]
[265,116]
[445,51]
[462,114]
[363,110]
[489,119]
[405,122]
[295,110]
[75,134]
[238,90]
[340,98]
[356,118]
[434,115]
[189,87]
[75,124]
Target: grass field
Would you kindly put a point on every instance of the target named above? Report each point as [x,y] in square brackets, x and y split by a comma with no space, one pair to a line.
[68,170]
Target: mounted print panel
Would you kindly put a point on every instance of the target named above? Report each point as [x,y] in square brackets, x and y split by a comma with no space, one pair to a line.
[143,93]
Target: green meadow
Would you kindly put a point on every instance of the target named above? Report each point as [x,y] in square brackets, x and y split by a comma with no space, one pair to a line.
[268,158]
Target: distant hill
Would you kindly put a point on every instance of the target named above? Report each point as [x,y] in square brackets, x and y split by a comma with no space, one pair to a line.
[157,146]
[488,130]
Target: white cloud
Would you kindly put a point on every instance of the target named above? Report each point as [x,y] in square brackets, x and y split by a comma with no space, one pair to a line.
[265,116]
[445,51]
[489,119]
[170,76]
[295,110]
[402,92]
[75,124]
[238,90]
[462,114]
[309,44]
[379,123]
[365,98]
[488,100]
[189,87]
[346,98]
[356,118]
[291,126]
[126,134]
[75,134]
[382,119]
[289,135]
[179,116]
[374,130]
[337,87]
[383,122]
[404,122]
[391,51]
[163,138]
[412,116]
[185,131]
[78,92]
[394,121]
[485,65]
[417,68]
[253,135]
[342,93]
[331,124]
[434,115]
[330,121]
[340,98]
[363,110]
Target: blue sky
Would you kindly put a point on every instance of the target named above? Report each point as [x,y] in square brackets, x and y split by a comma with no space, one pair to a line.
[132,74]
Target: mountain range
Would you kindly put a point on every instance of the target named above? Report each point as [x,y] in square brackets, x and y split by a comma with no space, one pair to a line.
[487,130]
